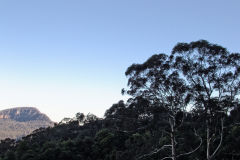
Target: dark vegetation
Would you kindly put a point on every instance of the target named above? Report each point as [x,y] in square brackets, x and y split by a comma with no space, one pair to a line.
[182,107]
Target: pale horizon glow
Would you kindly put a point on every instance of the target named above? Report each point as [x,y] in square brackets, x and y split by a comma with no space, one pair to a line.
[64,57]
[66,102]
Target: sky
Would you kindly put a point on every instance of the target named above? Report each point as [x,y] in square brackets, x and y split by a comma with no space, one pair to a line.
[69,56]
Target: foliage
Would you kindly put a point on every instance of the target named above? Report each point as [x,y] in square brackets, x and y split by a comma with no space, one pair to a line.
[155,120]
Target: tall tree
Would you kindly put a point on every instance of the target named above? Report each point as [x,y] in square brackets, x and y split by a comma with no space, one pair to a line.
[156,81]
[213,74]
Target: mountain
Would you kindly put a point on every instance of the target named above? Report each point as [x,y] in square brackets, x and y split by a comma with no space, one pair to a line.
[21,121]
[23,114]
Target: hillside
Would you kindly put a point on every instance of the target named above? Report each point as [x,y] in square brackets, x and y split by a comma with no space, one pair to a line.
[21,121]
[155,122]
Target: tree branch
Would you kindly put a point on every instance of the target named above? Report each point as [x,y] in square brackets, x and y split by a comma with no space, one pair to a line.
[154,152]
[188,153]
[220,143]
[166,158]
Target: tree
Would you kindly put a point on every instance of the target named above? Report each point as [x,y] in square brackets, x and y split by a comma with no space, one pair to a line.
[213,75]
[127,118]
[156,81]
[80,118]
[119,117]
[10,155]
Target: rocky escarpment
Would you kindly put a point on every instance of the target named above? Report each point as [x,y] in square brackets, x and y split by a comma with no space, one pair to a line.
[23,114]
[21,121]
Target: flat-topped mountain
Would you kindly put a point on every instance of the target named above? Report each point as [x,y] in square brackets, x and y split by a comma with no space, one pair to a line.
[23,114]
[21,121]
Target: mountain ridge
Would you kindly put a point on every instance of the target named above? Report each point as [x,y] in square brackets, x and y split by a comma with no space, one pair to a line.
[23,114]
[20,121]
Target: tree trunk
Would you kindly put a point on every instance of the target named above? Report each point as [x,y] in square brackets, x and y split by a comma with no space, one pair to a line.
[209,137]
[208,141]
[172,122]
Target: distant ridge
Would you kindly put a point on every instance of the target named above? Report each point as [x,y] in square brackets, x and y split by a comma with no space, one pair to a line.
[21,121]
[23,114]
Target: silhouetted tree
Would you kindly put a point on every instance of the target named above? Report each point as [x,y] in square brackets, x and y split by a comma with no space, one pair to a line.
[80,117]
[156,81]
[213,75]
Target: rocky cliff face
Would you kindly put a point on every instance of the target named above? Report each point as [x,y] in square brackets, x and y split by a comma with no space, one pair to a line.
[23,114]
[21,121]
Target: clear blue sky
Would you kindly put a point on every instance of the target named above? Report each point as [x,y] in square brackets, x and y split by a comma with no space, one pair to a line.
[69,56]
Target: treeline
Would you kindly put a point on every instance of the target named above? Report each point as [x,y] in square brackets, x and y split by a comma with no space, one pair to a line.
[184,106]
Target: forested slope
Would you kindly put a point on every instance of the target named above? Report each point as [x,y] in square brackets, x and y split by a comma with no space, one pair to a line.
[183,106]
[122,135]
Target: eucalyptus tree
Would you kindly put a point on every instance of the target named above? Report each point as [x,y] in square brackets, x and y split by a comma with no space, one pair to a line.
[120,117]
[156,81]
[213,75]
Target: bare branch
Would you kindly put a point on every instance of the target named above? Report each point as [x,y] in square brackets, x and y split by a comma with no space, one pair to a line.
[205,87]
[155,151]
[188,153]
[166,158]
[182,120]
[220,143]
